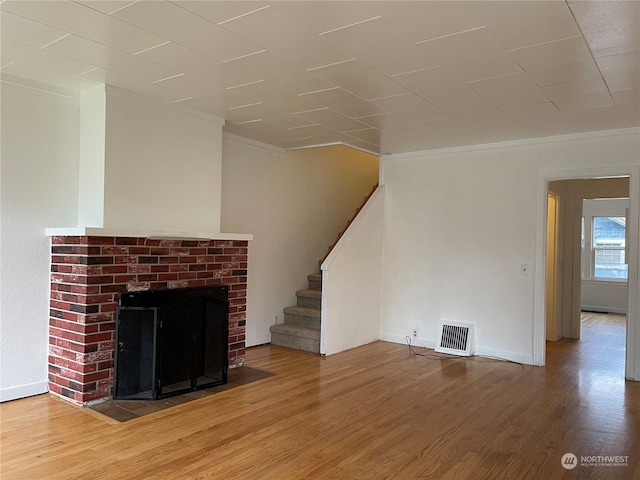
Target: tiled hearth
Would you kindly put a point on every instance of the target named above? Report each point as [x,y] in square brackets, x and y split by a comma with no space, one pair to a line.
[88,274]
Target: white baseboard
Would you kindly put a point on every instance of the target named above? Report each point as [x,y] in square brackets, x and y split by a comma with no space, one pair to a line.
[415,341]
[600,309]
[479,351]
[13,393]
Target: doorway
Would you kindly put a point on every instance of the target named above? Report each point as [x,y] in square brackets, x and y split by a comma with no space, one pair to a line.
[558,276]
[566,278]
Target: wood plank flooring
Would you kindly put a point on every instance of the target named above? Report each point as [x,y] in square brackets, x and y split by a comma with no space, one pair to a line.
[373,412]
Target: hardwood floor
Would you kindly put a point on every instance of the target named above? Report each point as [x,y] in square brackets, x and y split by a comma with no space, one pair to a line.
[370,413]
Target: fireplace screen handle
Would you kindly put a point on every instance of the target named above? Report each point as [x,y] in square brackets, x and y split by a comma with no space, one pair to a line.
[121,346]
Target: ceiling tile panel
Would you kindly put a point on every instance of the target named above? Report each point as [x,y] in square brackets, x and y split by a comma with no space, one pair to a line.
[292,41]
[562,61]
[360,79]
[317,18]
[427,20]
[106,6]
[370,135]
[472,55]
[609,27]
[437,85]
[621,71]
[220,11]
[526,23]
[87,23]
[193,63]
[23,30]
[405,74]
[476,112]
[331,119]
[537,115]
[98,76]
[411,107]
[183,27]
[342,101]
[510,91]
[580,96]
[381,46]
[110,59]
[35,64]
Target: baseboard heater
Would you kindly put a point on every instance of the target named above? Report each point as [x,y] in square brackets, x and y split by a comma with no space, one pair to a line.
[455,338]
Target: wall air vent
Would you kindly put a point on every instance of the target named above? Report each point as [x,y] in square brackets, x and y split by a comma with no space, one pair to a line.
[455,338]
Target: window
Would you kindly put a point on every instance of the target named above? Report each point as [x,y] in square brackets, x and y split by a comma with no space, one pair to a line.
[608,242]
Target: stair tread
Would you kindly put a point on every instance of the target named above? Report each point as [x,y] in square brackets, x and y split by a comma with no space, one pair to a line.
[296,330]
[309,293]
[303,311]
[314,276]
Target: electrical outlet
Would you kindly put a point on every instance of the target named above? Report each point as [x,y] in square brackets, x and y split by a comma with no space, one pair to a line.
[415,332]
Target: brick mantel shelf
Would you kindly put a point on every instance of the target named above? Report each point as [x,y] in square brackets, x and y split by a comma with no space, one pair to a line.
[90,268]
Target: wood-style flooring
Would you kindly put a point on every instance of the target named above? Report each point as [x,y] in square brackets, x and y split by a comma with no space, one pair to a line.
[374,412]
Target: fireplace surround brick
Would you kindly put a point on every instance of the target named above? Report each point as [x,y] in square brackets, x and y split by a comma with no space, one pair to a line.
[88,274]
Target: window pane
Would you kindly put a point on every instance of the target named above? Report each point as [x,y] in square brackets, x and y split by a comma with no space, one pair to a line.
[608,246]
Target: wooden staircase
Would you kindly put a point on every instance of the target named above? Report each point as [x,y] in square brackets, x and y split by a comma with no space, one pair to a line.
[301,327]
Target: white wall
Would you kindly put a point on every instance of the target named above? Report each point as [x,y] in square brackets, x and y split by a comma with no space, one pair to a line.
[39,175]
[599,295]
[294,203]
[459,224]
[351,281]
[163,167]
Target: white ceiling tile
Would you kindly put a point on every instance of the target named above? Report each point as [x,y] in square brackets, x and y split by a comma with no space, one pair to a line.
[360,79]
[220,11]
[609,27]
[266,64]
[292,41]
[23,30]
[259,28]
[621,71]
[510,91]
[617,116]
[318,17]
[37,64]
[557,62]
[186,28]
[190,86]
[193,63]
[110,59]
[87,23]
[155,91]
[342,101]
[360,74]
[628,97]
[370,135]
[380,45]
[331,119]
[426,20]
[525,23]
[106,6]
[537,115]
[580,95]
[476,112]
[437,85]
[411,107]
[472,55]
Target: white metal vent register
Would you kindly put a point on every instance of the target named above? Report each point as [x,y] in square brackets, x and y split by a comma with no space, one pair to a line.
[455,338]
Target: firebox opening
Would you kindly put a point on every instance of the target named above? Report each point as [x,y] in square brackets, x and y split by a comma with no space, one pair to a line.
[170,342]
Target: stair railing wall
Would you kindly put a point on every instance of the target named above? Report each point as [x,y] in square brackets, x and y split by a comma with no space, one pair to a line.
[351,281]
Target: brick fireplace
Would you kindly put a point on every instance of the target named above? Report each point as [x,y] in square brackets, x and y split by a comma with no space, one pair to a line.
[88,274]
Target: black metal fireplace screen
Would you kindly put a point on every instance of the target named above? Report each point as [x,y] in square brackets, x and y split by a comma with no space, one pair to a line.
[170,342]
